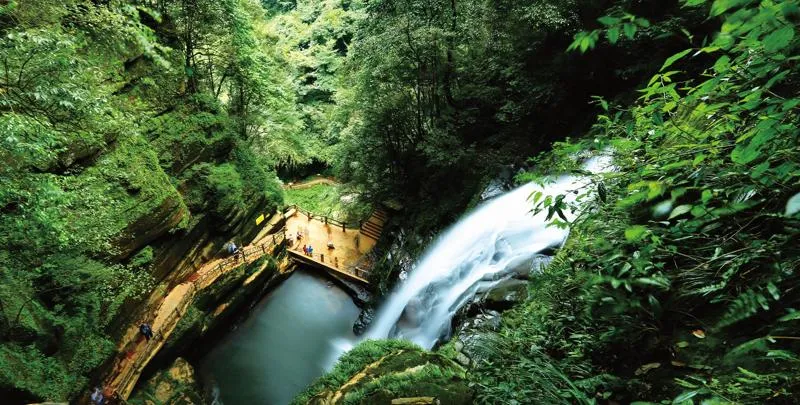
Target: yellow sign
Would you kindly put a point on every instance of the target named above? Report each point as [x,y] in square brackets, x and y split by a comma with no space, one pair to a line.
[260,219]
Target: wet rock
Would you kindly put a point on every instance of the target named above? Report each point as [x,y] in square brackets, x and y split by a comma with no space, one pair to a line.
[506,294]
[462,359]
[504,181]
[534,266]
[363,321]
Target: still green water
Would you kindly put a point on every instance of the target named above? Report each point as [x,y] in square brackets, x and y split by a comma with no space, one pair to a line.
[286,342]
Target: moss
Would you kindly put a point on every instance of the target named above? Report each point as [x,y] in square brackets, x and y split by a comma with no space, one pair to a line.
[386,369]
[126,185]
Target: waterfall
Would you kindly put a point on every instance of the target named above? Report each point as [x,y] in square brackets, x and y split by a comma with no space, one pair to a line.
[483,248]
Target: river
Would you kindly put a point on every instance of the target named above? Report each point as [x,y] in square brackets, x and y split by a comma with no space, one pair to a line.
[283,345]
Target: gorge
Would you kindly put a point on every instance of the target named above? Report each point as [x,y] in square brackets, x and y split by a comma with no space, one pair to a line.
[399,202]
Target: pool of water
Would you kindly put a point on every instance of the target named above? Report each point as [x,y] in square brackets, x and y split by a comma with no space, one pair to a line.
[284,344]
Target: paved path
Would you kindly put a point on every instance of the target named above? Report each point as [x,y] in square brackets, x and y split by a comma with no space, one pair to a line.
[135,352]
[311,183]
[345,258]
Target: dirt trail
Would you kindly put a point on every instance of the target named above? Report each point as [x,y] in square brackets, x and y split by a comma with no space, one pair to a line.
[311,183]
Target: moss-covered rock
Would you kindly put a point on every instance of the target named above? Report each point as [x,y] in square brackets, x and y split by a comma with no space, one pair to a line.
[378,372]
[174,386]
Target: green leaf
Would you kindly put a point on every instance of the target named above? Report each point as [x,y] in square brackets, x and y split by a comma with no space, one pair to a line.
[608,20]
[680,210]
[613,35]
[721,6]
[705,197]
[792,316]
[654,281]
[779,39]
[773,291]
[684,397]
[723,64]
[629,29]
[793,205]
[674,58]
[635,233]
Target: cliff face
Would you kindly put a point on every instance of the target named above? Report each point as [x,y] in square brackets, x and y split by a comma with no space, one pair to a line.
[117,179]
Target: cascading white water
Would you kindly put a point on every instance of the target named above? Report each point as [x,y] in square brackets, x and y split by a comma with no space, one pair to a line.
[482,249]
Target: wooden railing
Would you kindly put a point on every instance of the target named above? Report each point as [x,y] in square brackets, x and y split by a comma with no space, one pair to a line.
[245,255]
[331,260]
[327,219]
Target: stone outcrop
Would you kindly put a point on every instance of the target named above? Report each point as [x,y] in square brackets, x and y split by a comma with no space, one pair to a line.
[411,376]
[174,386]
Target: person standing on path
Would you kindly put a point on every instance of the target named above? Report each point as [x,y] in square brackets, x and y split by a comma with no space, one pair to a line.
[146,330]
[97,396]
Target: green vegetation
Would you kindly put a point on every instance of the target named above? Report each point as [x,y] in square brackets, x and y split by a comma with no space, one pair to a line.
[678,284]
[132,126]
[124,121]
[323,199]
[397,369]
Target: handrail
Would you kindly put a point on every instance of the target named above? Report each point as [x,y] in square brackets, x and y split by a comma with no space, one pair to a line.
[254,252]
[331,260]
[327,219]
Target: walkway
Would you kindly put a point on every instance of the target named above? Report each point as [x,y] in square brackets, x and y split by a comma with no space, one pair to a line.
[311,183]
[350,241]
[135,352]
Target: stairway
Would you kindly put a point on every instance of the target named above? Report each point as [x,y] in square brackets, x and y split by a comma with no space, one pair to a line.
[373,226]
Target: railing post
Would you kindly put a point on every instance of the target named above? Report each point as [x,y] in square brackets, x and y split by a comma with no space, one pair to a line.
[322,257]
[343,227]
[336,261]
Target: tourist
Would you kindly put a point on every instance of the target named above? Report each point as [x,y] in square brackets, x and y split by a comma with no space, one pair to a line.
[305,250]
[330,244]
[146,330]
[232,248]
[310,251]
[299,235]
[97,396]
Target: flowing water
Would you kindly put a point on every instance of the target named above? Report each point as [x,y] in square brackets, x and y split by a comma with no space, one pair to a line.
[479,251]
[297,332]
[283,345]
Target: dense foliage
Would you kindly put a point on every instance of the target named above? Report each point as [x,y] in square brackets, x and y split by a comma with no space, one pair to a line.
[121,121]
[678,283]
[127,124]
[444,92]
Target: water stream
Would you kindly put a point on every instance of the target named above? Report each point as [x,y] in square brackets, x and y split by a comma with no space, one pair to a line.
[480,250]
[298,331]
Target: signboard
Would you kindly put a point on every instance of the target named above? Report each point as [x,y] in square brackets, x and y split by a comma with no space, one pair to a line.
[260,219]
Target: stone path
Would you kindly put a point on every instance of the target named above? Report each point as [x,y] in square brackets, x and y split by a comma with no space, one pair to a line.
[135,352]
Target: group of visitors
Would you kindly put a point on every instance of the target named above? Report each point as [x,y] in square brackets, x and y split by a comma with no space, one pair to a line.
[308,250]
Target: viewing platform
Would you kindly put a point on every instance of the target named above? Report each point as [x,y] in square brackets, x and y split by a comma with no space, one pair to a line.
[350,241]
